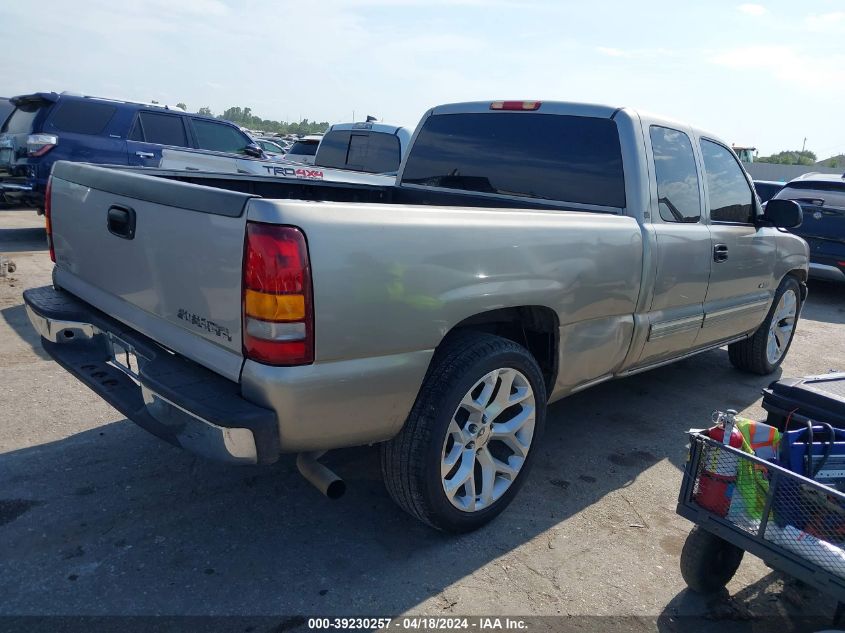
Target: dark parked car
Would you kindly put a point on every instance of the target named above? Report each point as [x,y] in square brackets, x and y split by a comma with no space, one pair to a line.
[822,197]
[45,127]
[766,189]
[6,108]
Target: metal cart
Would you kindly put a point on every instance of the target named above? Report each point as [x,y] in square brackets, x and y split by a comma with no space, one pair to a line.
[794,524]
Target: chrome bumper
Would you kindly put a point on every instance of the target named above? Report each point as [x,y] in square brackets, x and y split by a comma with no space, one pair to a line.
[13,188]
[823,271]
[169,396]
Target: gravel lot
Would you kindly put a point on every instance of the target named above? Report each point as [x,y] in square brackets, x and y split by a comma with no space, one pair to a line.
[98,517]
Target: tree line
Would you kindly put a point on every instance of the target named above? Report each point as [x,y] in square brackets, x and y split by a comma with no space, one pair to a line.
[244,117]
[802,157]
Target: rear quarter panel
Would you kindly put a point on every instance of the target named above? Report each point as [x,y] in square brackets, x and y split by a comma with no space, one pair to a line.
[390,279]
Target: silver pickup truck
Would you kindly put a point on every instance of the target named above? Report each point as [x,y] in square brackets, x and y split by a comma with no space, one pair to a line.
[527,251]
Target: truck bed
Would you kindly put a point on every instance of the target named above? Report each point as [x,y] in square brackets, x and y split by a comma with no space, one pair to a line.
[405,264]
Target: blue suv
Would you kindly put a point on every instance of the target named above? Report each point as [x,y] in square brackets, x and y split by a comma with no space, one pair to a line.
[45,127]
[822,197]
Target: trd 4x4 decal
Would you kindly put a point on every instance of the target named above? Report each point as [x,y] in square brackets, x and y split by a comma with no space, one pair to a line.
[312,174]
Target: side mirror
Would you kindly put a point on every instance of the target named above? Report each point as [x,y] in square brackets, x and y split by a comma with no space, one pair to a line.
[784,214]
[254,150]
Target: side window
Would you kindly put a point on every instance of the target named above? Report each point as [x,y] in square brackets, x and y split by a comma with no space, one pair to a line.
[137,132]
[219,137]
[162,129]
[731,198]
[83,117]
[677,177]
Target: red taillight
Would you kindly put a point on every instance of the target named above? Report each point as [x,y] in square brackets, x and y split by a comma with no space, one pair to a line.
[515,105]
[278,322]
[48,217]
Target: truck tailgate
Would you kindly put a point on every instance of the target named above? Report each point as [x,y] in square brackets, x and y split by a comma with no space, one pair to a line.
[163,257]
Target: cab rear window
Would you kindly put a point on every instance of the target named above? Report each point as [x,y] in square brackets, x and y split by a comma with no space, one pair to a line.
[531,155]
[373,152]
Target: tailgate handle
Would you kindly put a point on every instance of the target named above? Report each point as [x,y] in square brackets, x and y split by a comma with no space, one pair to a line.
[121,221]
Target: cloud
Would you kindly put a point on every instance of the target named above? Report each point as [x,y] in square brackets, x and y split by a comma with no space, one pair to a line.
[826,22]
[752,9]
[636,53]
[613,52]
[788,65]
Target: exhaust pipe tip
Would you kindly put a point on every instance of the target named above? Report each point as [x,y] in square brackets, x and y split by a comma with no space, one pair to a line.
[336,489]
[321,477]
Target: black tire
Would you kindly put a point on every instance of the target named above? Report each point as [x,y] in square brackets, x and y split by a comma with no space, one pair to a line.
[708,562]
[411,461]
[750,354]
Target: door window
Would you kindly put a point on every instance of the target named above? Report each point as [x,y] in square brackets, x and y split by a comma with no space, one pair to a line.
[677,176]
[731,198]
[219,137]
[162,129]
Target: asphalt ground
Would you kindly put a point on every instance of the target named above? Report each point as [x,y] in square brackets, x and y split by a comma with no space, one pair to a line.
[97,517]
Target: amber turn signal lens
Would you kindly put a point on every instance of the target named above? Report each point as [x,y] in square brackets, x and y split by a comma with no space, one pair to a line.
[272,307]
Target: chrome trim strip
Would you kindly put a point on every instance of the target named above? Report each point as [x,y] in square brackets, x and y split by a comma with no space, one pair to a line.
[667,328]
[719,315]
[590,383]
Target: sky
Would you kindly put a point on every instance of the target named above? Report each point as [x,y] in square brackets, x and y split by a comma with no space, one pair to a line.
[766,74]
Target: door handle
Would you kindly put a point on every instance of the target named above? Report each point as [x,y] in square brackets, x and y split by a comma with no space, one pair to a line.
[145,154]
[720,252]
[121,222]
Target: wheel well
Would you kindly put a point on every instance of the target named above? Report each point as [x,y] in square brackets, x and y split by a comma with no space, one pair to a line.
[801,277]
[533,327]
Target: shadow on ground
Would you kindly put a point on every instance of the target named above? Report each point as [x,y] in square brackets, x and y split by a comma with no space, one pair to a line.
[18,320]
[112,521]
[826,302]
[23,240]
[776,602]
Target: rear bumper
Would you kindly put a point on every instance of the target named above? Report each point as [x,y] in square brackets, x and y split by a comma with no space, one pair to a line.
[827,268]
[17,190]
[168,395]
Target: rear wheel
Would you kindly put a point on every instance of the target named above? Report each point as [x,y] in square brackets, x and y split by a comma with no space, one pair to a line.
[764,351]
[708,562]
[466,447]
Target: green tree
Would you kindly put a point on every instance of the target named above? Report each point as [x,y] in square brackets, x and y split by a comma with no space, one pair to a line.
[181,105]
[244,117]
[205,110]
[790,157]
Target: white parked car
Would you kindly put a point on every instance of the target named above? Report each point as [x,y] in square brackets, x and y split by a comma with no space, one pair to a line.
[271,148]
[304,150]
[375,148]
